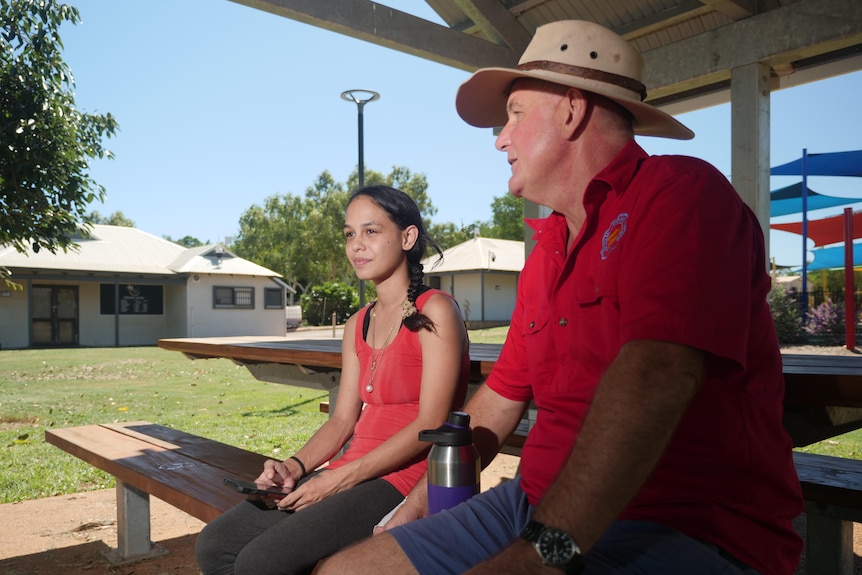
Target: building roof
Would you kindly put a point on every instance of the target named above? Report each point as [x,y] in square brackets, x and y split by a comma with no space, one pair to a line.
[118,249]
[479,254]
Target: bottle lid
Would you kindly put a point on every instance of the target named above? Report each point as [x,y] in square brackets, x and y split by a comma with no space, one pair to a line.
[455,432]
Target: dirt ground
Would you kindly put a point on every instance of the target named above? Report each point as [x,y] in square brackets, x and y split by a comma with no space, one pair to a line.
[68,534]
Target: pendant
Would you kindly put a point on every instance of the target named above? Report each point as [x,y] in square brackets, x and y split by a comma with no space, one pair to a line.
[369,388]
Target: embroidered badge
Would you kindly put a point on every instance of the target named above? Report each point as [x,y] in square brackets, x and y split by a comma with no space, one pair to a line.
[614,234]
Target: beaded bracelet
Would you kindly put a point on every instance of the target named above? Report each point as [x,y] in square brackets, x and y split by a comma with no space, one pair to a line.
[301,465]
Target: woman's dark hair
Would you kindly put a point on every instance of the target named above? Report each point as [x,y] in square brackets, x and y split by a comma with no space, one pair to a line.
[403,211]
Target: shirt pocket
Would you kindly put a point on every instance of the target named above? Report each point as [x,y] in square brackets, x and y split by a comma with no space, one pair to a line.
[596,314]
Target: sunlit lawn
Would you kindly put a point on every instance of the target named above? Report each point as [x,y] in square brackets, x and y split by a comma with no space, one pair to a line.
[41,389]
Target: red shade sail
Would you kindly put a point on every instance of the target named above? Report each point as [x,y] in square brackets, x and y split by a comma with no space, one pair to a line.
[826,231]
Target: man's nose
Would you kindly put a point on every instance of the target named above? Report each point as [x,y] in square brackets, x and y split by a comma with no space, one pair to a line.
[502,142]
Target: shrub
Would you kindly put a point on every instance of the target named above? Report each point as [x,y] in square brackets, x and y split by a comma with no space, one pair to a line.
[786,316]
[321,300]
[826,322]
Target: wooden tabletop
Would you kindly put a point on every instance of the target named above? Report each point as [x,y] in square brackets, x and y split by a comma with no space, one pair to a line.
[822,399]
[314,353]
[810,379]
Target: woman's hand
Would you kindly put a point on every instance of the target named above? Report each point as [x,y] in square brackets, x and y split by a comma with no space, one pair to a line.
[276,473]
[315,489]
[410,510]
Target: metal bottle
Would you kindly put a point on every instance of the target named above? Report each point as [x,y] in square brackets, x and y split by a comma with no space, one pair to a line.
[453,463]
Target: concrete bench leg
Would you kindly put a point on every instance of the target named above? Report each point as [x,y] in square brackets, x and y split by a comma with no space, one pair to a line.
[828,545]
[133,527]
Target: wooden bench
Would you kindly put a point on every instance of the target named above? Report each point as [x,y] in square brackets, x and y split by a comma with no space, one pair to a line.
[187,471]
[179,468]
[832,488]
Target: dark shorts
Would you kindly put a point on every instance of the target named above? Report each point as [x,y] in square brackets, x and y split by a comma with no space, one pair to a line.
[453,541]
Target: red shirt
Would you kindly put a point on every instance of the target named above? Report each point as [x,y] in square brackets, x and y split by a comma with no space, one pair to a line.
[669,252]
[394,403]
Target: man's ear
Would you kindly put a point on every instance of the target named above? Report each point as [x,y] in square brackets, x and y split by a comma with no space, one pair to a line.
[408,237]
[575,107]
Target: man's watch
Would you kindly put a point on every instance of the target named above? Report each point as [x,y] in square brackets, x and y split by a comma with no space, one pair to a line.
[555,547]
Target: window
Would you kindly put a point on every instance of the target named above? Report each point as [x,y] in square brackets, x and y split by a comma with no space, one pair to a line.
[135,299]
[233,297]
[273,298]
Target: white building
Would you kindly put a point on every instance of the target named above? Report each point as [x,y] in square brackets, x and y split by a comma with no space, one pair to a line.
[482,274]
[125,287]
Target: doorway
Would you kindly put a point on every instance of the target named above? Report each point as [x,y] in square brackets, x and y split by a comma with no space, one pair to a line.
[55,316]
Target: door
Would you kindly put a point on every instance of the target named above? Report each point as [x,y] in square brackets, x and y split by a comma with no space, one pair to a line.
[55,315]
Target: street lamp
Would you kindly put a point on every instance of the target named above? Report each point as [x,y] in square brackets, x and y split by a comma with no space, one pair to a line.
[360,98]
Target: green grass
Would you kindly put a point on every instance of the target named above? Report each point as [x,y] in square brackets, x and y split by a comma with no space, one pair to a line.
[490,335]
[43,389]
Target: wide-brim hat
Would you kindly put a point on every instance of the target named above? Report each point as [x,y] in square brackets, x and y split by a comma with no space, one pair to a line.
[574,53]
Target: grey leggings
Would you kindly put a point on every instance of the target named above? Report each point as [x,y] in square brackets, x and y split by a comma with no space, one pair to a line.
[252,539]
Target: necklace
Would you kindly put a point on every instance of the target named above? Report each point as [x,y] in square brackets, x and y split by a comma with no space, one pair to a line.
[375,359]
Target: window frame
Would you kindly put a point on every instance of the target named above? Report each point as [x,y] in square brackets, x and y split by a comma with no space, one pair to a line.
[235,291]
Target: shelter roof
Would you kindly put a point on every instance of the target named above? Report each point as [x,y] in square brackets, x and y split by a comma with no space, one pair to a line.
[479,254]
[690,47]
[119,249]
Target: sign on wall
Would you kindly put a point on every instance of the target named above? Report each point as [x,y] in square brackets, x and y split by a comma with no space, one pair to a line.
[134,299]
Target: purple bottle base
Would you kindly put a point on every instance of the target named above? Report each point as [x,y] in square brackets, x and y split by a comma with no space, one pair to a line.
[440,498]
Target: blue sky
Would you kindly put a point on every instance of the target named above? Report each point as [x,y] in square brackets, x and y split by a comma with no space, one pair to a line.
[221,105]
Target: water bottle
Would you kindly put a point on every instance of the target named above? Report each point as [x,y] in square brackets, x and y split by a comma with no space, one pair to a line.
[453,463]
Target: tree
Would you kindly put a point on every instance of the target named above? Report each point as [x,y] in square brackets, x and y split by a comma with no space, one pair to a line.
[188,241]
[507,218]
[321,301]
[45,142]
[115,219]
[448,234]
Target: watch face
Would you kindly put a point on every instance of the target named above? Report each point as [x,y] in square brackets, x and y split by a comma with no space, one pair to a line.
[556,547]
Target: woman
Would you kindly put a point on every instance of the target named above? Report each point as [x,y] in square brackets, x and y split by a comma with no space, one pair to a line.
[405,365]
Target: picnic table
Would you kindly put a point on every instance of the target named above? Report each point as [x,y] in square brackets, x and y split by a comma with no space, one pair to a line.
[823,394]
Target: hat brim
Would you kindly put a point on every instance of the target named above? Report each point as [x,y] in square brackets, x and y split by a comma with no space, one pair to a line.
[481,101]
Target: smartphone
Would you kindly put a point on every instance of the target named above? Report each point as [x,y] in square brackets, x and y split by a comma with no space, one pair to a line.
[261,489]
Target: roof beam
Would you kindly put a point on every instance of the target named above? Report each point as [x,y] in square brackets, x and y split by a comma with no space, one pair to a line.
[786,35]
[496,22]
[733,9]
[400,31]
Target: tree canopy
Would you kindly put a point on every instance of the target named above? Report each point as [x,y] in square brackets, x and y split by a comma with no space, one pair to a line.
[118,218]
[45,142]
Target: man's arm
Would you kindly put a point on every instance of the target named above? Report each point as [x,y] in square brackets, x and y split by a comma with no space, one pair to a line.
[636,409]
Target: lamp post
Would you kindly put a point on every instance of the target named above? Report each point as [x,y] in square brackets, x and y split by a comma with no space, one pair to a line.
[360,98]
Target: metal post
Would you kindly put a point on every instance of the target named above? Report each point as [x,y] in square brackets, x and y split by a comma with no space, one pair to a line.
[804,235]
[360,98]
[849,288]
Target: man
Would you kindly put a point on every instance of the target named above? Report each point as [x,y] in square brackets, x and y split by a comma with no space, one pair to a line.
[642,335]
